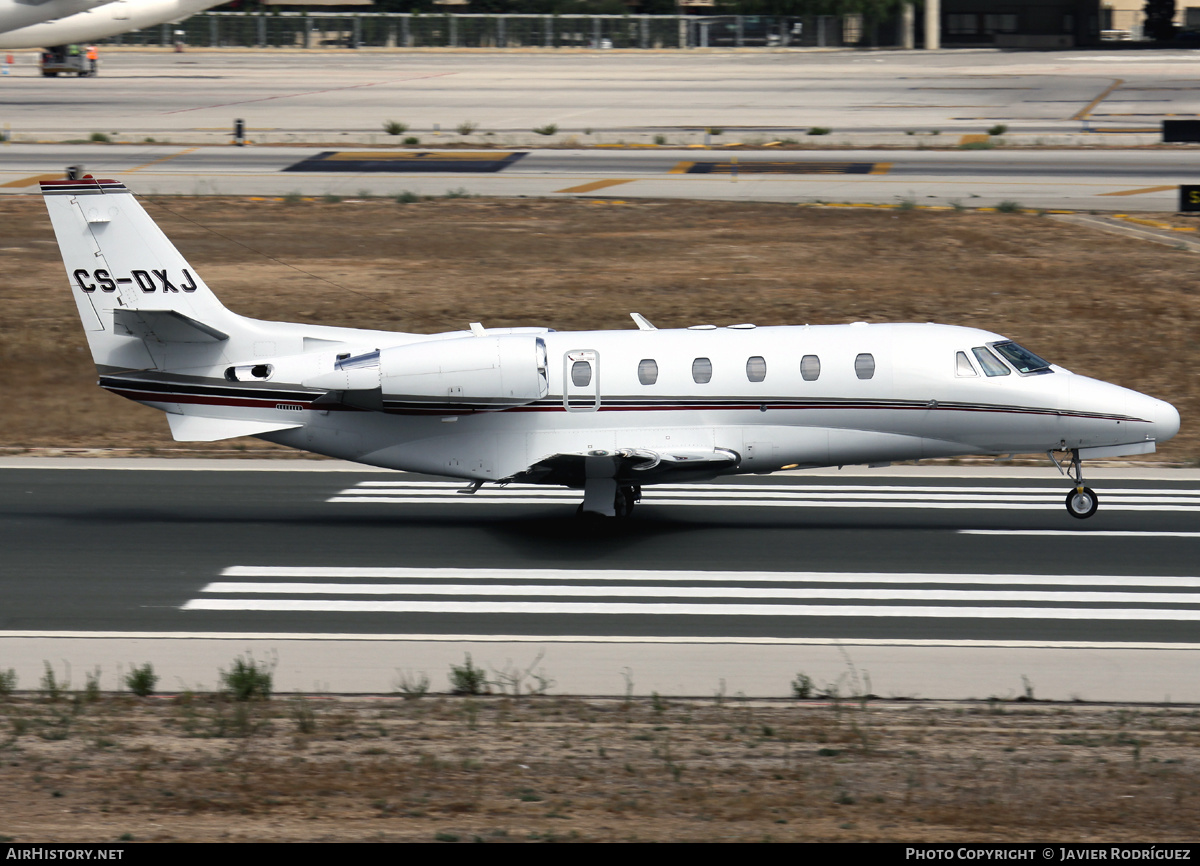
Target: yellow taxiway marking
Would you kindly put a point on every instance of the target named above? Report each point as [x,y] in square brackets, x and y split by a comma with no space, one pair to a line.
[33,181]
[413,156]
[595,185]
[164,158]
[1083,113]
[1140,190]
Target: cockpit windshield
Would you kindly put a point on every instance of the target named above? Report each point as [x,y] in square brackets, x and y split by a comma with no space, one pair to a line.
[1021,358]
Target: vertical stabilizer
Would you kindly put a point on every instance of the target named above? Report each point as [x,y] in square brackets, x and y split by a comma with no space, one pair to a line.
[135,292]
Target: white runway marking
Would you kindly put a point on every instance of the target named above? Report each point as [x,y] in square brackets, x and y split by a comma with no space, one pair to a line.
[525,575]
[576,591]
[1083,533]
[780,496]
[486,608]
[490,591]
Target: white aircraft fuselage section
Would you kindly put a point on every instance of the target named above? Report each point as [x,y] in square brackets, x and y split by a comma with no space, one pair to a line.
[89,20]
[914,404]
[15,14]
[607,411]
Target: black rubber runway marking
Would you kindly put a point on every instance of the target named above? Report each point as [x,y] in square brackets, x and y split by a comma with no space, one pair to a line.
[407,161]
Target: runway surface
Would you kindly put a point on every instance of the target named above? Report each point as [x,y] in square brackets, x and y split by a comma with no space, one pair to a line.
[916,569]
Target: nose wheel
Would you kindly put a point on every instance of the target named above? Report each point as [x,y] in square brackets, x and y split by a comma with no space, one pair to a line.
[1082,501]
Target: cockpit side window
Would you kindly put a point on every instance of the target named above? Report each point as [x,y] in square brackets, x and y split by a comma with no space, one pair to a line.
[990,363]
[962,365]
[1021,358]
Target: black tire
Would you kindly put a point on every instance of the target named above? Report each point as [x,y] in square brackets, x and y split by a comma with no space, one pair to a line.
[630,497]
[1082,503]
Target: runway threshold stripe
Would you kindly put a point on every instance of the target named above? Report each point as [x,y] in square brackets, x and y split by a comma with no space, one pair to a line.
[654,493]
[525,575]
[365,487]
[1083,533]
[715,593]
[759,503]
[486,608]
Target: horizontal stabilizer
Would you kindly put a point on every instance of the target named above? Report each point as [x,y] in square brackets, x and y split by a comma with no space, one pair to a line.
[166,326]
[194,428]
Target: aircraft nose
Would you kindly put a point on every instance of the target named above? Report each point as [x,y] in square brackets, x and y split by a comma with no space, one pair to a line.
[1166,421]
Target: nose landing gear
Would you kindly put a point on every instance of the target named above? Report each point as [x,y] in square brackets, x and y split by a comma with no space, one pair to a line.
[1082,501]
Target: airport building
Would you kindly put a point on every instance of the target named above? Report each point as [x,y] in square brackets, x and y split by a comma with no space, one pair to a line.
[1015,24]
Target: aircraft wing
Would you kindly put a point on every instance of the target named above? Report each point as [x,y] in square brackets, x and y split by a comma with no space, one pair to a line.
[630,466]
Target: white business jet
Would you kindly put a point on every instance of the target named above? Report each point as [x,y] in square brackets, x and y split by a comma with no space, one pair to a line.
[90,21]
[605,411]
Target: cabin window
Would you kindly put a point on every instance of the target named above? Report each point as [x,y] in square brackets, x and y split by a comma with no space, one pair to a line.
[1021,358]
[864,366]
[756,368]
[962,365]
[702,371]
[581,374]
[990,363]
[810,368]
[647,371]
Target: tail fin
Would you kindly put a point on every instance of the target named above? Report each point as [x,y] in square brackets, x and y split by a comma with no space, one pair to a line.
[129,280]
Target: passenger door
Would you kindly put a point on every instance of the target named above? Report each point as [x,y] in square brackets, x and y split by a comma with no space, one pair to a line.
[581,380]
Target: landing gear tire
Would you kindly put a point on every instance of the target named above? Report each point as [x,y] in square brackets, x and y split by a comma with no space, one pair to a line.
[1082,502]
[625,499]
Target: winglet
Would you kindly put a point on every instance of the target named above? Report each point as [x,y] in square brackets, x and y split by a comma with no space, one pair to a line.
[642,323]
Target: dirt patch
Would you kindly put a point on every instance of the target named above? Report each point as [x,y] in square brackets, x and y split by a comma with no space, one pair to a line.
[1118,309]
[201,768]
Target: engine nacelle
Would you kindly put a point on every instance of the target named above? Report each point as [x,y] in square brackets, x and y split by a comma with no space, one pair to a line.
[483,373]
[465,374]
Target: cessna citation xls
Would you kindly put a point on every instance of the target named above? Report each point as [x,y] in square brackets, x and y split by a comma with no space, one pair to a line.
[602,411]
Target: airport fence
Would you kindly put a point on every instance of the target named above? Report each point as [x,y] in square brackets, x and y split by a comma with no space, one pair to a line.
[413,30]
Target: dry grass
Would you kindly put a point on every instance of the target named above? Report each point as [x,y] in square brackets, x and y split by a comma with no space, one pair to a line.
[200,768]
[1118,309]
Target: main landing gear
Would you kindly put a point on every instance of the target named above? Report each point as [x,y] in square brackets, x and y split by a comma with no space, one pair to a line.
[597,493]
[1082,501]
